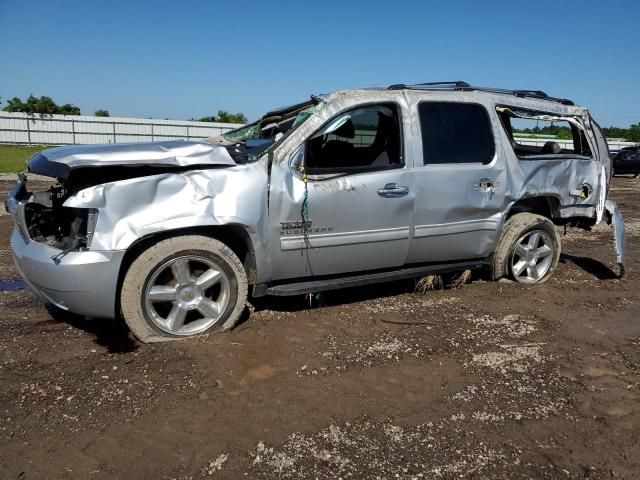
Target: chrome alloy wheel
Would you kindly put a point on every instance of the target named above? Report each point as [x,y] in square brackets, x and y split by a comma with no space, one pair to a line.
[187,295]
[532,257]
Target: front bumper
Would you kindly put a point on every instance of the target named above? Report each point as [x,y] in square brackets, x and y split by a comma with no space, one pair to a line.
[80,282]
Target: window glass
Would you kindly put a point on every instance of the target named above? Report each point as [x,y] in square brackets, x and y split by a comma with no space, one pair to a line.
[455,133]
[365,138]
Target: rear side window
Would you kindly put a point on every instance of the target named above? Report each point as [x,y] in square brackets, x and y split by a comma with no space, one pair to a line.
[455,133]
[541,134]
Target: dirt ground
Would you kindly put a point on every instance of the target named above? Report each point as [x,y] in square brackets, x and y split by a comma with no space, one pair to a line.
[490,381]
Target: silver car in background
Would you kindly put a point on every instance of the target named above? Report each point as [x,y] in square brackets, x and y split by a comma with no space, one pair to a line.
[346,189]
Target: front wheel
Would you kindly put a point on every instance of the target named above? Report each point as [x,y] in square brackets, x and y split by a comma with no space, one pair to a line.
[181,287]
[528,250]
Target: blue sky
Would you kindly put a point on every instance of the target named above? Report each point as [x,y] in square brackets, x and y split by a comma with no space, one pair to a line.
[171,59]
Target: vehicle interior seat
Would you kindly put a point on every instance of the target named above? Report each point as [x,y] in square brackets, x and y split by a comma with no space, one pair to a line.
[338,152]
[386,145]
[551,148]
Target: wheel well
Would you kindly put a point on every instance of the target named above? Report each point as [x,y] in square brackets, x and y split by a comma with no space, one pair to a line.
[547,206]
[234,236]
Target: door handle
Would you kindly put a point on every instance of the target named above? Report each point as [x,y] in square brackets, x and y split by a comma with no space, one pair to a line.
[393,190]
[485,185]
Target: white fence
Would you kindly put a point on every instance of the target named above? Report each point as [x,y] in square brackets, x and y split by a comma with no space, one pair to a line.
[39,129]
[20,128]
[614,145]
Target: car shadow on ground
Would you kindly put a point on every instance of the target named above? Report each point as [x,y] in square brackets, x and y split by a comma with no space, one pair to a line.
[346,296]
[111,334]
[333,297]
[591,266]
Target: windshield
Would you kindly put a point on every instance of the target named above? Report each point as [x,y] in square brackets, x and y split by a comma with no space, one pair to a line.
[243,133]
[248,143]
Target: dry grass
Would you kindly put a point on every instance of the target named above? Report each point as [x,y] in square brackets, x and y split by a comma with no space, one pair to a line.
[429,283]
[440,282]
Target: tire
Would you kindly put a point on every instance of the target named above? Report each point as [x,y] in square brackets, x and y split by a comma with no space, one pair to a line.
[182,287]
[516,254]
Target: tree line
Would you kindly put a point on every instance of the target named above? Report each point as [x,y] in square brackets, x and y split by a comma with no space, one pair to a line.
[42,105]
[631,134]
[224,117]
[47,106]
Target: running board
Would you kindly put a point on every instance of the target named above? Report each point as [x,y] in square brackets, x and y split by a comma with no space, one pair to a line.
[323,284]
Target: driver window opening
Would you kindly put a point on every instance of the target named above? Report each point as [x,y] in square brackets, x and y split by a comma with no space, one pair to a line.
[363,139]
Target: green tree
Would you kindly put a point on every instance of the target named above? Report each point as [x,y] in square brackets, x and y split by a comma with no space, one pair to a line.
[225,117]
[15,105]
[42,105]
[631,134]
[101,113]
[634,133]
[68,109]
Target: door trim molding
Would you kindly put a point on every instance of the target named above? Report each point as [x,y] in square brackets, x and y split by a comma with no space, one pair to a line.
[453,228]
[344,238]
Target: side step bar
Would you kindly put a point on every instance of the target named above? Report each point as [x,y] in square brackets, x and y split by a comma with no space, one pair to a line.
[331,283]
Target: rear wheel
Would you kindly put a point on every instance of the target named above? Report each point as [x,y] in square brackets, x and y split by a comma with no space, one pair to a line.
[181,287]
[528,250]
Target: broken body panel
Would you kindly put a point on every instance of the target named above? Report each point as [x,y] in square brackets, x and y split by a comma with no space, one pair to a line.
[298,224]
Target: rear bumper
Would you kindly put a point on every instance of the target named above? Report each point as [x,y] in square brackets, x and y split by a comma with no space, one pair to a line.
[615,218]
[81,282]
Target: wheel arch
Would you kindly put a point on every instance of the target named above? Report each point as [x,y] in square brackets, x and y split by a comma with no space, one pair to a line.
[512,229]
[235,236]
[547,205]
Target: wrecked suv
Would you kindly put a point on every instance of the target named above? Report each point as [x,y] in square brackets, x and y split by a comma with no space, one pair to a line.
[345,189]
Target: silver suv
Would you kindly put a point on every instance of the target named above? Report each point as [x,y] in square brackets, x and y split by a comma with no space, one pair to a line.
[346,189]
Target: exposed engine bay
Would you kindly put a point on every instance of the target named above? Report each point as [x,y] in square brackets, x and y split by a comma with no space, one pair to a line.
[47,220]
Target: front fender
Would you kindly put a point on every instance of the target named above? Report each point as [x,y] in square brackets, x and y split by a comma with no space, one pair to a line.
[134,208]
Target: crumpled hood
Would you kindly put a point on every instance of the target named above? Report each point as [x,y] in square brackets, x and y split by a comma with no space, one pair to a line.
[59,162]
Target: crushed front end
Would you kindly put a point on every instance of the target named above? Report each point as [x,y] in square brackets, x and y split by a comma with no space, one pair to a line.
[42,217]
[51,250]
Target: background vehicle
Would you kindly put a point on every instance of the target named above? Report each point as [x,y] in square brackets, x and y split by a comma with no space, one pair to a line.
[347,189]
[627,161]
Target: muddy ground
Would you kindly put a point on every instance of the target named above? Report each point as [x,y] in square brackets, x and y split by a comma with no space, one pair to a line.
[493,380]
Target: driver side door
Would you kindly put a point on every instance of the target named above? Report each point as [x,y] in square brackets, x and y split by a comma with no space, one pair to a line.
[344,200]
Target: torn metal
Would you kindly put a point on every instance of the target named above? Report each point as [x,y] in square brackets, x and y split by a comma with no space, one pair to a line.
[540,116]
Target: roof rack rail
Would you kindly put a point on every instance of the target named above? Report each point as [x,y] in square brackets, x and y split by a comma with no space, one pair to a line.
[456,85]
[464,86]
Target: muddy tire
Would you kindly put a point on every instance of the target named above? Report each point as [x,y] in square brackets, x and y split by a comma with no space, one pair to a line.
[182,287]
[528,250]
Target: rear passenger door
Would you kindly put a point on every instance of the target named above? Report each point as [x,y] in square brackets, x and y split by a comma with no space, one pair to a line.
[459,183]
